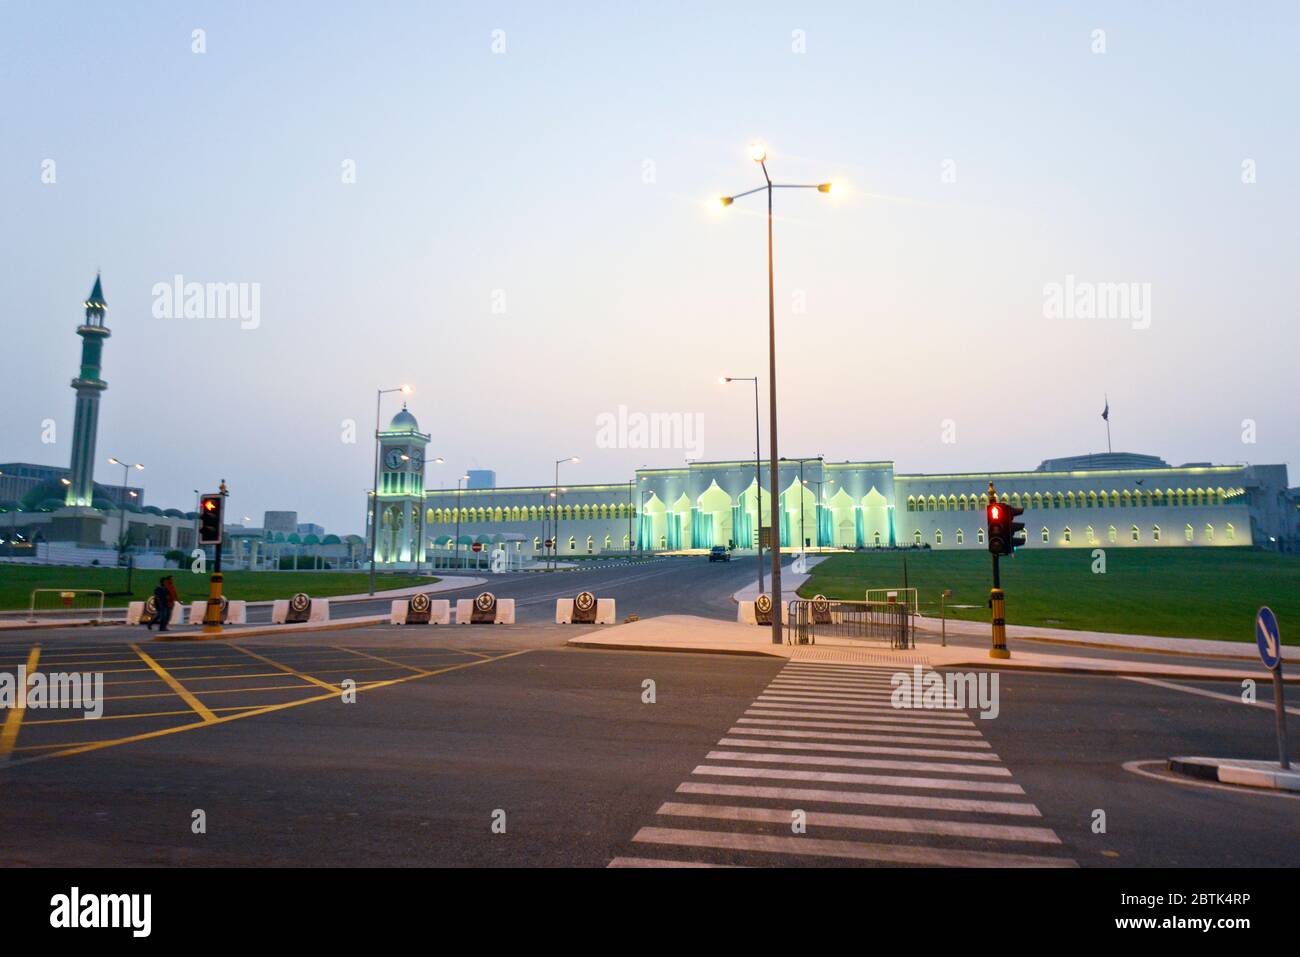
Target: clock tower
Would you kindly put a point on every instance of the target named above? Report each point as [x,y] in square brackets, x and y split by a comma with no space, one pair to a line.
[400,498]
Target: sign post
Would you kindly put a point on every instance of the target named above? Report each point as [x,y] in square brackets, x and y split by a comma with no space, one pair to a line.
[1268,636]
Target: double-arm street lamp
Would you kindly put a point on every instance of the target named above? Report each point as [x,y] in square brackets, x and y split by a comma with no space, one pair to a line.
[802,485]
[556,494]
[122,540]
[758,475]
[758,152]
[374,508]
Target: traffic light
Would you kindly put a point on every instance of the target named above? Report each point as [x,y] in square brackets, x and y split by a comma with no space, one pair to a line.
[210,508]
[1004,530]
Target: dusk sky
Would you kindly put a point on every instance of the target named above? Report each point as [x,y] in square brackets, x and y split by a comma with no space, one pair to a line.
[533,238]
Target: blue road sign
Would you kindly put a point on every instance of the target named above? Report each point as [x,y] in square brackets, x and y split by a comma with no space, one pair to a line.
[1269,638]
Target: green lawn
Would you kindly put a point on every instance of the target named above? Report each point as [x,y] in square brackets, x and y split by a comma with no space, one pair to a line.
[1178,592]
[17,582]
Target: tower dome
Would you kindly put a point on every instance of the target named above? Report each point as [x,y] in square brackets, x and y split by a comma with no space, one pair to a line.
[404,422]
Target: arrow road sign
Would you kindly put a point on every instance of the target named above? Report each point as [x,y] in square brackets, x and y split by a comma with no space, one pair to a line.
[1269,638]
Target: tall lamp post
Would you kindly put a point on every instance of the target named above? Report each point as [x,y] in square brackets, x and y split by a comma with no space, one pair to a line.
[558,463]
[374,512]
[121,532]
[419,538]
[758,474]
[456,550]
[758,152]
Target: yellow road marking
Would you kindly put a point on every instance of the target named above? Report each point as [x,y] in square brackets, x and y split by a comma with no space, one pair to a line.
[387,661]
[287,670]
[199,707]
[14,719]
[71,750]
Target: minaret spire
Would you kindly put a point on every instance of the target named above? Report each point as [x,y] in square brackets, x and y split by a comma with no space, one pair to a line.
[88,386]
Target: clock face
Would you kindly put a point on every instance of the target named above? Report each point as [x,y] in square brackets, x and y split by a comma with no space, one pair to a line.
[417,460]
[393,459]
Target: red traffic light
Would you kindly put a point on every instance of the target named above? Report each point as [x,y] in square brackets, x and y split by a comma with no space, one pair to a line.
[995,512]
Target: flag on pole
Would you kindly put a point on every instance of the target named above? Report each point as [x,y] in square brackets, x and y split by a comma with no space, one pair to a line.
[1105,413]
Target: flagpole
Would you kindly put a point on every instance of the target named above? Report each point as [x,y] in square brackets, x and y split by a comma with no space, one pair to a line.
[1106,415]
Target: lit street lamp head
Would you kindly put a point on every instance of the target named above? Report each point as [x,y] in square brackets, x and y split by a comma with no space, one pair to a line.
[725,200]
[757,152]
[825,187]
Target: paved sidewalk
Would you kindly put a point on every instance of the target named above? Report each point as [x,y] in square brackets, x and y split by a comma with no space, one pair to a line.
[687,633]
[790,582]
[1195,647]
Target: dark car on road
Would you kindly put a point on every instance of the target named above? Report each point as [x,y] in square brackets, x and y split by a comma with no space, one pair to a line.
[719,553]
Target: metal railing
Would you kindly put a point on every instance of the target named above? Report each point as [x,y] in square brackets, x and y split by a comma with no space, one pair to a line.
[890,622]
[75,601]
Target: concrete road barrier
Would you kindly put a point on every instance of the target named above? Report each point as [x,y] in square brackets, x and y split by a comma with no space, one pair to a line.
[584,609]
[135,613]
[439,612]
[746,615]
[319,610]
[236,613]
[485,609]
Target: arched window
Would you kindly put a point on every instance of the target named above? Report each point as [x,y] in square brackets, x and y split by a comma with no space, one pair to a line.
[1092,535]
[876,539]
[1067,535]
[961,537]
[1135,534]
[1112,535]
[573,543]
[537,543]
[1047,536]
[1188,533]
[916,537]
[943,504]
[1038,500]
[1231,532]
[938,536]
[1155,533]
[911,504]
[979,535]
[1209,533]
[961,503]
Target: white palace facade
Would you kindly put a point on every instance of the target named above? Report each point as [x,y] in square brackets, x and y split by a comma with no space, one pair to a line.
[1109,500]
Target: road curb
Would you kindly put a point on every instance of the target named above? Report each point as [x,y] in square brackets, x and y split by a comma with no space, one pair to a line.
[605,646]
[1256,774]
[255,630]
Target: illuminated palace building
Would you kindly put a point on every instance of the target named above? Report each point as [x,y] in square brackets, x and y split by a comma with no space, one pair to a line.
[1118,499]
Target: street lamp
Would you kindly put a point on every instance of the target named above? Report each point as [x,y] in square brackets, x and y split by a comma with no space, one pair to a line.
[374,512]
[419,540]
[758,474]
[558,463]
[456,558]
[121,531]
[803,483]
[758,152]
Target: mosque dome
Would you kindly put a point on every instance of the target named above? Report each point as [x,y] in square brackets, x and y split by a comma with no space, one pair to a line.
[404,422]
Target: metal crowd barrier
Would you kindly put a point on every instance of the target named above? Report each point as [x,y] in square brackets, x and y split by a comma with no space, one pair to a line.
[890,622]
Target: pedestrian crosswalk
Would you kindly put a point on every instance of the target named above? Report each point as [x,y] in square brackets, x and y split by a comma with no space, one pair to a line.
[822,769]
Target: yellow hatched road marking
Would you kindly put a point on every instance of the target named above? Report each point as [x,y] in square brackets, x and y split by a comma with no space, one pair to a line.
[199,707]
[387,661]
[287,670]
[71,750]
[14,719]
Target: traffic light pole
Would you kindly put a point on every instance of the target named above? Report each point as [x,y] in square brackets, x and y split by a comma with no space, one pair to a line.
[997,600]
[212,613]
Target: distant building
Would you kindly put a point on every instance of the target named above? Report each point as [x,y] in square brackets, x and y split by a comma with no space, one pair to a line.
[481,478]
[17,479]
[285,523]
[1120,500]
[310,528]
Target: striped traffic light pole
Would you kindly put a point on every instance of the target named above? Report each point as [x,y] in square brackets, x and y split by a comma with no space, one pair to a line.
[997,533]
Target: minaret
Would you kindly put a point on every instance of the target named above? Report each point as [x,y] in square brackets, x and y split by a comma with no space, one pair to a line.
[88,386]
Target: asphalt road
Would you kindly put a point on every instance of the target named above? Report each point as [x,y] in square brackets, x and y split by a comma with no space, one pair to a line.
[489,725]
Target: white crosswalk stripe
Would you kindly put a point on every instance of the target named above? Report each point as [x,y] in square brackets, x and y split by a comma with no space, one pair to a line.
[823,767]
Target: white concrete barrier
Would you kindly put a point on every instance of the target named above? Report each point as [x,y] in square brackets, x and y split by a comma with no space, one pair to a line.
[505,613]
[236,612]
[746,616]
[439,612]
[135,612]
[604,611]
[320,610]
